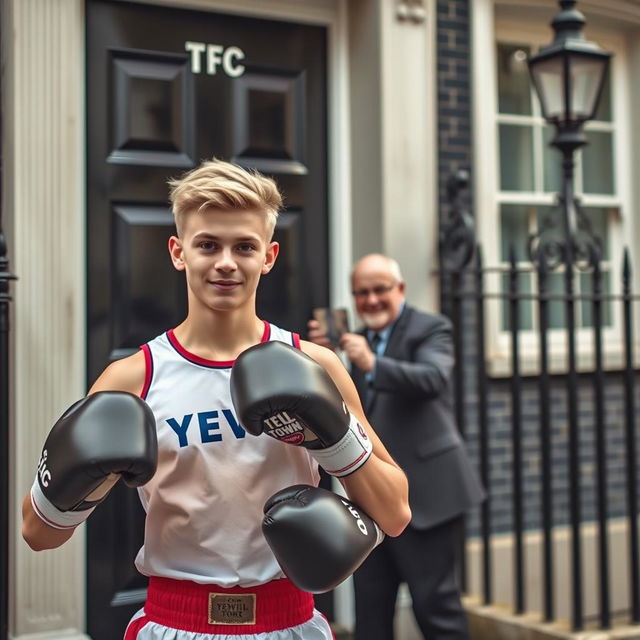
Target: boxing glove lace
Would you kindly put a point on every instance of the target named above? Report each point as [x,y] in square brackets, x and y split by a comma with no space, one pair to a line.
[318,537]
[103,437]
[278,390]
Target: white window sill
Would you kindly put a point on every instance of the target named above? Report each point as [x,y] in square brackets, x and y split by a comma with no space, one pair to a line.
[499,364]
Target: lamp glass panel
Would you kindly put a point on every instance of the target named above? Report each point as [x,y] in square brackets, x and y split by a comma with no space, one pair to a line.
[604,111]
[548,79]
[586,75]
[514,88]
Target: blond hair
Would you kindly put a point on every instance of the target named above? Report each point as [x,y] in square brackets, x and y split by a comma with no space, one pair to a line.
[217,184]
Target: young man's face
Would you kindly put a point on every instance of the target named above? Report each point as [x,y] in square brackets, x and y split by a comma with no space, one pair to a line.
[224,253]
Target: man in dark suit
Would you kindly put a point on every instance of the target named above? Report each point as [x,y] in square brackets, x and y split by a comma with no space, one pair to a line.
[401,363]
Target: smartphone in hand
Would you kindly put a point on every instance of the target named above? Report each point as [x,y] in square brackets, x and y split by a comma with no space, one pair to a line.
[333,323]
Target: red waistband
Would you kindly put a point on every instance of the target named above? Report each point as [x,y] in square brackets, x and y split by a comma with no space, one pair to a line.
[189,606]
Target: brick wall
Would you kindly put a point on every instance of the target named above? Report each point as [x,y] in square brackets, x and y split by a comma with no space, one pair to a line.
[454,91]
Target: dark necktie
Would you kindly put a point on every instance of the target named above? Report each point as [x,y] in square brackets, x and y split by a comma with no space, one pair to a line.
[373,344]
[375,341]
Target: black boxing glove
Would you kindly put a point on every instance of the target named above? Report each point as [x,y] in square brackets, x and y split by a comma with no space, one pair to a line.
[318,538]
[96,441]
[277,389]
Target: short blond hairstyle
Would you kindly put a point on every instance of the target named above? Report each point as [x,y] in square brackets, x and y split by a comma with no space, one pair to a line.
[217,184]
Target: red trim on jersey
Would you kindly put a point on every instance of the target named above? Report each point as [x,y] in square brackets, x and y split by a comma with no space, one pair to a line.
[148,370]
[296,340]
[266,334]
[184,605]
[216,364]
[333,635]
[192,357]
[133,629]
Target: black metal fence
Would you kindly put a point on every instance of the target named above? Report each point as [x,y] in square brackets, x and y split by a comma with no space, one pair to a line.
[553,308]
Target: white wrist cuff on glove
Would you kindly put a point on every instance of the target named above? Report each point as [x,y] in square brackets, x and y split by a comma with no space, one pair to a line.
[348,454]
[51,515]
[380,535]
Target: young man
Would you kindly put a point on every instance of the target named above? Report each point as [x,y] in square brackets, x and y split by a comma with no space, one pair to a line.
[204,503]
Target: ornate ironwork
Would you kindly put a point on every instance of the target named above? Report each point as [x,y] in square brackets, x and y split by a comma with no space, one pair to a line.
[457,232]
[581,247]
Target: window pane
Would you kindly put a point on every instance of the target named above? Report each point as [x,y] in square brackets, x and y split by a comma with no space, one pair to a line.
[556,287]
[516,158]
[525,308]
[549,222]
[514,231]
[514,92]
[586,288]
[597,163]
[603,112]
[552,162]
[551,217]
[599,218]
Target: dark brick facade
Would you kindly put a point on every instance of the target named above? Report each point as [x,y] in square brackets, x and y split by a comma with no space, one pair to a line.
[454,92]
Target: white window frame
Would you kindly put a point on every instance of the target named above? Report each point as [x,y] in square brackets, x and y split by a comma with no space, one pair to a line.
[490,25]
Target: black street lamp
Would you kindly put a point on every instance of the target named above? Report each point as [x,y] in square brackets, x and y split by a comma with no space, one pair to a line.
[569,76]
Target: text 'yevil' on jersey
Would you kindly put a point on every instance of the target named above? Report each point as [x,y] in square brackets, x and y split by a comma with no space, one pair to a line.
[208,428]
[283,427]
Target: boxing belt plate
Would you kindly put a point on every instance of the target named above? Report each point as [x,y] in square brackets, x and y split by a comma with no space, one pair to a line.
[208,608]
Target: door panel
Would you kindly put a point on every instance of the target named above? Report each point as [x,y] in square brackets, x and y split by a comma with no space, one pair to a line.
[152,109]
[269,126]
[145,293]
[167,88]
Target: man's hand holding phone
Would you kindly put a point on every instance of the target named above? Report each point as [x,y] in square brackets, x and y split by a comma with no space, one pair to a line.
[328,326]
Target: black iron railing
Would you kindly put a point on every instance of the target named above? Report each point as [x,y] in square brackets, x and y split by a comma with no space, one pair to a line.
[585,413]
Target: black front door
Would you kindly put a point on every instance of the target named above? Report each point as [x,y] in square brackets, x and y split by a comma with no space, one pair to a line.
[168,88]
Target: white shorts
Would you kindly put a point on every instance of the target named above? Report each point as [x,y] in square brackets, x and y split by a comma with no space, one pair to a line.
[182,610]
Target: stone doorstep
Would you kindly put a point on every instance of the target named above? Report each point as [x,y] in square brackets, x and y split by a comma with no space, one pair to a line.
[498,623]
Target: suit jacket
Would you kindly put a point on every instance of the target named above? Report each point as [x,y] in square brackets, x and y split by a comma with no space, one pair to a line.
[409,403]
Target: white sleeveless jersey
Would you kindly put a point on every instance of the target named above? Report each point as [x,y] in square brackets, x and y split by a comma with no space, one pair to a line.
[204,504]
